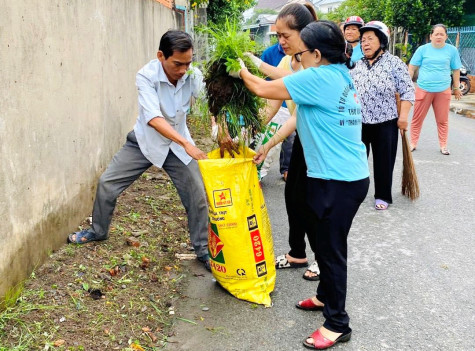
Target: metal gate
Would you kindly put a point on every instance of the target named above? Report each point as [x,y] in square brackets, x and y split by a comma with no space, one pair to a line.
[463,38]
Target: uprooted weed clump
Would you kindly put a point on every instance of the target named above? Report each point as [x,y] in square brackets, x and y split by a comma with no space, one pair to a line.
[232,104]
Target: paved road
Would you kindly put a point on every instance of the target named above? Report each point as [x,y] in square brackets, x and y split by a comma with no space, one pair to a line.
[411,281]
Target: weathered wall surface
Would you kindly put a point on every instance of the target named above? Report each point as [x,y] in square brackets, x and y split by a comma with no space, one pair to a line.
[68,98]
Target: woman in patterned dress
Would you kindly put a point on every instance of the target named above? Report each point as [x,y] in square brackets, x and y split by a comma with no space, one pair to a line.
[377,78]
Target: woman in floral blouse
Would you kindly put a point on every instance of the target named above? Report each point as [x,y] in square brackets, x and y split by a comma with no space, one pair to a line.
[377,78]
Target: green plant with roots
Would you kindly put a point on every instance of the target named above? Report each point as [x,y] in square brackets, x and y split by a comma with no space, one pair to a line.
[228,100]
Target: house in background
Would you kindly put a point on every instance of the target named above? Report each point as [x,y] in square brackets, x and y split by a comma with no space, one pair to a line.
[327,6]
[263,28]
[275,5]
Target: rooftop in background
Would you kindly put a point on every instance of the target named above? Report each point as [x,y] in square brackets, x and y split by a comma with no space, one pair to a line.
[278,4]
[270,4]
[262,20]
[326,2]
[266,19]
[324,6]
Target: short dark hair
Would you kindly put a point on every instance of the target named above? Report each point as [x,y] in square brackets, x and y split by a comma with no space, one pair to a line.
[326,37]
[439,25]
[175,40]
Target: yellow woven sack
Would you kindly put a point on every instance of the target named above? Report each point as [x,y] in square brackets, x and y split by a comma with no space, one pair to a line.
[239,235]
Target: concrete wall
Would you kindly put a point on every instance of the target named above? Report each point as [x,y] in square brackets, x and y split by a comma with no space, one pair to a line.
[68,98]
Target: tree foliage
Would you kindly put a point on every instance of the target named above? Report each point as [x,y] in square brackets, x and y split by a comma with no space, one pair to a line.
[416,16]
[366,9]
[220,10]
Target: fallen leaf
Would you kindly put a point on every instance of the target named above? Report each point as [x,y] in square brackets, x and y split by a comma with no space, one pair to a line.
[152,336]
[114,271]
[148,331]
[145,262]
[59,343]
[168,268]
[131,241]
[135,346]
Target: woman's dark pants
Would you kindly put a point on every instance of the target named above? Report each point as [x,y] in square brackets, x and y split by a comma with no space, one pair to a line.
[334,205]
[297,209]
[381,139]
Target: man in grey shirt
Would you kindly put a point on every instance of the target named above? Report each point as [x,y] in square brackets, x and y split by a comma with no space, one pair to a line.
[161,138]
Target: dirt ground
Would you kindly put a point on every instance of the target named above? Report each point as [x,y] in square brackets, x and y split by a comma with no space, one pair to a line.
[112,295]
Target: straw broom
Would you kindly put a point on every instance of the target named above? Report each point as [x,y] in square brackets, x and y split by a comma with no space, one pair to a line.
[409,184]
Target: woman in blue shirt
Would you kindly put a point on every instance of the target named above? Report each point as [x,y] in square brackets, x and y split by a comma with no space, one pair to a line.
[351,32]
[289,23]
[435,60]
[329,125]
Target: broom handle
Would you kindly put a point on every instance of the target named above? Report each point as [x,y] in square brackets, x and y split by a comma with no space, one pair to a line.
[398,107]
[398,103]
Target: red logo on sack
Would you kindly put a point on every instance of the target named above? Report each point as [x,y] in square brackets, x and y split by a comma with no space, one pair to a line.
[222,198]
[257,246]
[215,245]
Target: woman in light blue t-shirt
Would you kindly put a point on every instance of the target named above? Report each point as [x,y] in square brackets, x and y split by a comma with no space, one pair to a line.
[435,61]
[329,125]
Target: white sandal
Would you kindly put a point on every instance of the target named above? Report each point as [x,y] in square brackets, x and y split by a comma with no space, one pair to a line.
[282,262]
[312,269]
[444,151]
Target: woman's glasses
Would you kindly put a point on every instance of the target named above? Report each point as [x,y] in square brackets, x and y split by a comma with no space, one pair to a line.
[298,55]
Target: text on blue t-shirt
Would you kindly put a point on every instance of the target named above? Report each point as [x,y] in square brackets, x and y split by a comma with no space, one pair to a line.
[329,122]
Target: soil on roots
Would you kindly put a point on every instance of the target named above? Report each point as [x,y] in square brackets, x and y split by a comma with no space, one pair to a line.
[232,104]
[220,87]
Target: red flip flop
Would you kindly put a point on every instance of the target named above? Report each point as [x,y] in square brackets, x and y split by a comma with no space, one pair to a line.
[321,343]
[308,305]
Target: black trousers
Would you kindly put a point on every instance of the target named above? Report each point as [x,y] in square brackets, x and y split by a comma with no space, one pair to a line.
[286,153]
[298,211]
[381,139]
[334,205]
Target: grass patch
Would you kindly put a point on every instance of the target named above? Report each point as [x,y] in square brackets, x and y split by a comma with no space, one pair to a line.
[108,295]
